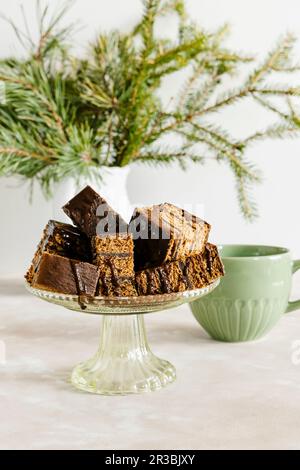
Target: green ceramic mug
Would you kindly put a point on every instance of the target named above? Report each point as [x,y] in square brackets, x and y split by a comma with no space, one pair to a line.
[252,296]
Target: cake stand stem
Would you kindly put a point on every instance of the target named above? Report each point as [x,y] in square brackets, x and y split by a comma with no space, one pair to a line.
[124,362]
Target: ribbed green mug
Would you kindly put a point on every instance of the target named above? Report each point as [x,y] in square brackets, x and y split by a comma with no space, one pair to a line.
[252,296]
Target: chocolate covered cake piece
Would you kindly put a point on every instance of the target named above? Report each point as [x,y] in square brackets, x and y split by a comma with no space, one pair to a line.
[166,233]
[192,272]
[66,276]
[91,213]
[111,245]
[114,257]
[61,239]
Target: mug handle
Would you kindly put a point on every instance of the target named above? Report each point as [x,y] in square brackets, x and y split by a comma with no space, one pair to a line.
[296,304]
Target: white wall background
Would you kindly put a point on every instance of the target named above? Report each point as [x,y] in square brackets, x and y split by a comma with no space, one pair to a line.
[255,26]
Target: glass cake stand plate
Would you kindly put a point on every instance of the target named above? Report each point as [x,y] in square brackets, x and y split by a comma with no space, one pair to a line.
[124,362]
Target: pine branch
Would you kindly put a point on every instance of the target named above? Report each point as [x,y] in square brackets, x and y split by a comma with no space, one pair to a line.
[166,158]
[218,134]
[272,107]
[51,32]
[229,98]
[247,206]
[275,131]
[240,167]
[277,60]
[65,116]
[22,153]
[176,58]
[147,24]
[276,90]
[96,95]
[173,6]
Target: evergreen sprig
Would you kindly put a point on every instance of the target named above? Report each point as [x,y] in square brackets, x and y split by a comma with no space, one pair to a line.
[61,115]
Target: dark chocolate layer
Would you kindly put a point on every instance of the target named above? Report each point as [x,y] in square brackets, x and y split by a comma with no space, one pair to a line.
[64,240]
[91,213]
[166,233]
[67,276]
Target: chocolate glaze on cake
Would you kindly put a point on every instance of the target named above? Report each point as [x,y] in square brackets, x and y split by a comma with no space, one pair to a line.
[193,272]
[61,239]
[64,275]
[112,246]
[166,233]
[114,257]
[91,213]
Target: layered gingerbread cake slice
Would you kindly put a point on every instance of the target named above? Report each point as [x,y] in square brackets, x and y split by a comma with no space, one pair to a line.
[64,275]
[114,257]
[92,214]
[166,233]
[192,272]
[112,245]
[61,239]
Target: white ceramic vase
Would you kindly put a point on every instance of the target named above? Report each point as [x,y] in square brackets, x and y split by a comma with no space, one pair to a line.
[113,187]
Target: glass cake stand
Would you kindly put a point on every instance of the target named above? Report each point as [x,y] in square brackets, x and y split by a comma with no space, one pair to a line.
[124,362]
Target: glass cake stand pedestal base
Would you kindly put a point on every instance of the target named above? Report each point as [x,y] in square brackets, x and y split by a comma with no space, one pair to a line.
[124,362]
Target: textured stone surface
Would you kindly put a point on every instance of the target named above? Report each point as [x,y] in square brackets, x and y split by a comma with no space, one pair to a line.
[243,395]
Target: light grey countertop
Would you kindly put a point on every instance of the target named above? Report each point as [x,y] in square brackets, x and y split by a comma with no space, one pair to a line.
[227,396]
